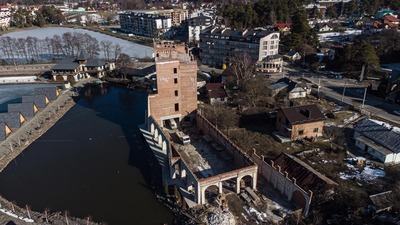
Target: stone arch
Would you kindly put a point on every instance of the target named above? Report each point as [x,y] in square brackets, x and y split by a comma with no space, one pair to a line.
[210,193]
[298,199]
[155,133]
[159,141]
[246,181]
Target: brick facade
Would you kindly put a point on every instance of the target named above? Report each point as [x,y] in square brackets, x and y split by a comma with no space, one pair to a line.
[176,71]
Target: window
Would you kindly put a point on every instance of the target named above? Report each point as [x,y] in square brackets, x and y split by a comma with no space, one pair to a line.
[175,70]
[265,42]
[272,42]
[176,92]
[315,130]
[176,107]
[175,80]
[301,132]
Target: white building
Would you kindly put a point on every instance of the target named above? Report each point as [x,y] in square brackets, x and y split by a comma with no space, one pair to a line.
[5,16]
[150,25]
[196,25]
[219,45]
[378,140]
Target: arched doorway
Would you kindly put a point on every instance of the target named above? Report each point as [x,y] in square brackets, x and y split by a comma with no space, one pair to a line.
[246,181]
[59,78]
[299,200]
[211,194]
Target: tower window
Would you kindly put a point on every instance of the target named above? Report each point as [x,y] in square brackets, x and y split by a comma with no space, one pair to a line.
[175,70]
[176,92]
[176,106]
[175,80]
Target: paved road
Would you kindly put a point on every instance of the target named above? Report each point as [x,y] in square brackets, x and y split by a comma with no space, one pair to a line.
[354,94]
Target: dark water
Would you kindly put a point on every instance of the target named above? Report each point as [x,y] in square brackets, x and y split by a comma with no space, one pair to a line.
[90,163]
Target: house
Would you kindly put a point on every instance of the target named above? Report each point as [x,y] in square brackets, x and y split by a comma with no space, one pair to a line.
[292,55]
[379,140]
[5,131]
[324,27]
[29,110]
[51,93]
[300,122]
[283,27]
[270,64]
[14,120]
[41,101]
[74,69]
[216,93]
[294,89]
[274,89]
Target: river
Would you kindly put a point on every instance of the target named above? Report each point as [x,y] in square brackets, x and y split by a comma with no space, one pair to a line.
[91,162]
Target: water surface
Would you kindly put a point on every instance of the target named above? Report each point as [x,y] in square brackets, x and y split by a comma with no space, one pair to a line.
[90,163]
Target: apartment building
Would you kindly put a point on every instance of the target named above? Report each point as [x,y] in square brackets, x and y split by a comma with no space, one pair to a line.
[5,16]
[196,25]
[219,45]
[145,24]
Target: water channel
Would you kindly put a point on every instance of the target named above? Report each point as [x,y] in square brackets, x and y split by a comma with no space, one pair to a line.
[90,163]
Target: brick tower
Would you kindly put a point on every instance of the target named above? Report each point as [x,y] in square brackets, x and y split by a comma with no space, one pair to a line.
[176,95]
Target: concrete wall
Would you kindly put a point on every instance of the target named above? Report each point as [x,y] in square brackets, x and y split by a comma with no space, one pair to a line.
[281,182]
[17,79]
[240,158]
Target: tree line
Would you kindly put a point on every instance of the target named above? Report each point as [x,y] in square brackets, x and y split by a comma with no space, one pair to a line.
[67,45]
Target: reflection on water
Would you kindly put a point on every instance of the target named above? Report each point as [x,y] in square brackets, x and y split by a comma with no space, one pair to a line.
[90,163]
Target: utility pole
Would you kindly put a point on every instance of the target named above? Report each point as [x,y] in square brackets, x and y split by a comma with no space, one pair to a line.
[365,95]
[344,89]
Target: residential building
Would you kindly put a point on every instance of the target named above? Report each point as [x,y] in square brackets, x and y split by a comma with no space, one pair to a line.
[378,139]
[218,46]
[74,69]
[321,8]
[41,101]
[5,16]
[28,110]
[176,82]
[5,131]
[292,55]
[283,27]
[139,23]
[270,64]
[324,27]
[292,88]
[196,25]
[14,120]
[300,122]
[216,93]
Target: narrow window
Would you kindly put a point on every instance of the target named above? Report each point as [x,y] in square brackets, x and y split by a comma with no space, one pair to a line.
[175,80]
[175,70]
[301,132]
[315,130]
[176,107]
[176,92]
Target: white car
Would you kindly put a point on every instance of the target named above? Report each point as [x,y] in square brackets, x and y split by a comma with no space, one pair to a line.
[397,112]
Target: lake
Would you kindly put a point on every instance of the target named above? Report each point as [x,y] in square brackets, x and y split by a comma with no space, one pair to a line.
[92,162]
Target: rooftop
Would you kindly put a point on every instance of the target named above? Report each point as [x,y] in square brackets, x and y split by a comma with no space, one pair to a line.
[303,114]
[380,134]
[216,90]
[306,177]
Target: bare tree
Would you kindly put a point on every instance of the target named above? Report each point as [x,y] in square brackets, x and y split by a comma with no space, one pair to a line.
[106,47]
[117,51]
[243,67]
